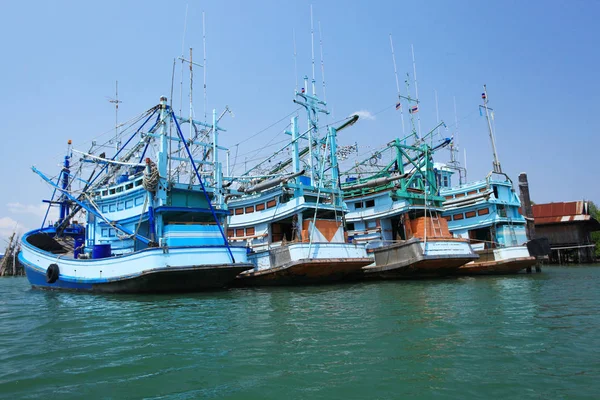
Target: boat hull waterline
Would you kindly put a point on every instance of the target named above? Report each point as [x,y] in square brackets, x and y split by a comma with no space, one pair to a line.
[304,263]
[502,261]
[153,270]
[409,260]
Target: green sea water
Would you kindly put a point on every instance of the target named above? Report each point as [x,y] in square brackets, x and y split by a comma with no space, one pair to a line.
[520,337]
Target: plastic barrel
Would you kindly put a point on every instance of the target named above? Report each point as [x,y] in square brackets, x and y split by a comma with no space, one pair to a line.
[122,178]
[304,180]
[101,251]
[78,248]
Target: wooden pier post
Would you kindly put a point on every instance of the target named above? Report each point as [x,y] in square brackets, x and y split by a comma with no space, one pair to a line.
[528,211]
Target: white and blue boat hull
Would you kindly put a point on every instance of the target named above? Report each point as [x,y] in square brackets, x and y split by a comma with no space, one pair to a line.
[152,270]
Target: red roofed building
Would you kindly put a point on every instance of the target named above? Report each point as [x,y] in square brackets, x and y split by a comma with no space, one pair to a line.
[568,227]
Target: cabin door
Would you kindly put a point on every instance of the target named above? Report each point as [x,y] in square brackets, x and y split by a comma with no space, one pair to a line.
[282,230]
[398,231]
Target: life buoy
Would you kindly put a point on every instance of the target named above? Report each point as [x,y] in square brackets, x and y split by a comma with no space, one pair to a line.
[52,273]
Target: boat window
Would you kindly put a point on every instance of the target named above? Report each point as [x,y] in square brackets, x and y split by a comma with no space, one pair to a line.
[111,233]
[138,183]
[445,181]
[495,191]
[483,211]
[271,203]
[501,210]
[239,232]
[129,186]
[239,211]
[457,217]
[250,231]
[105,193]
[470,214]
[350,226]
[119,189]
[260,207]
[249,209]
[370,203]
[358,204]
[230,233]
[111,191]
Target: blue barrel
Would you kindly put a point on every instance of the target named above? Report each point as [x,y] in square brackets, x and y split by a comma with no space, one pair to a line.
[122,178]
[304,180]
[78,248]
[101,251]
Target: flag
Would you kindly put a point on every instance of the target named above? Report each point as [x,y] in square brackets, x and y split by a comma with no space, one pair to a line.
[483,96]
[414,109]
[302,90]
[398,106]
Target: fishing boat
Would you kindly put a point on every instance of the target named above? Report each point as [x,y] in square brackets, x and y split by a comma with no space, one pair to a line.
[153,214]
[394,206]
[396,212]
[486,213]
[290,216]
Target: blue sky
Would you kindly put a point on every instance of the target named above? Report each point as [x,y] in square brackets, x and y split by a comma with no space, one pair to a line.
[539,60]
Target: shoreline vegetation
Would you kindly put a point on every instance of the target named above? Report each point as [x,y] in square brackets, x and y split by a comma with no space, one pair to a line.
[9,264]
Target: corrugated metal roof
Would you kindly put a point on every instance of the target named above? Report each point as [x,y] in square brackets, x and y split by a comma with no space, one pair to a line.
[564,212]
[564,218]
[558,209]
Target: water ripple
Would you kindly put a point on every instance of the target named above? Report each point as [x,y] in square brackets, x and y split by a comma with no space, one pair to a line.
[524,336]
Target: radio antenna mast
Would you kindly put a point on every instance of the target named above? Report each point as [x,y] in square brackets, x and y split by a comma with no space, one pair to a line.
[312,45]
[116,102]
[399,104]
[295,60]
[412,49]
[496,164]
[204,61]
[322,62]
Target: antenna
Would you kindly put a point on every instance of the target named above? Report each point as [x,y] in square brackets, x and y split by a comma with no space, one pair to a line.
[116,102]
[312,45]
[322,62]
[204,61]
[399,104]
[437,111]
[295,60]
[181,58]
[412,48]
[191,95]
[496,164]
[453,148]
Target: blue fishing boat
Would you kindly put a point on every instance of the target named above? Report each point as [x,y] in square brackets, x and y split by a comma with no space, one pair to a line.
[394,205]
[396,211]
[153,214]
[291,216]
[486,213]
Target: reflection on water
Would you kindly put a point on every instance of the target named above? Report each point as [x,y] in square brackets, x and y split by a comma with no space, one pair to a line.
[524,336]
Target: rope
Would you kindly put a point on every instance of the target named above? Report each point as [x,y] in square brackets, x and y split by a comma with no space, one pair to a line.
[150,181]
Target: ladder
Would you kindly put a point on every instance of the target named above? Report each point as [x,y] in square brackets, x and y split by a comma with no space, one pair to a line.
[435,224]
[513,235]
